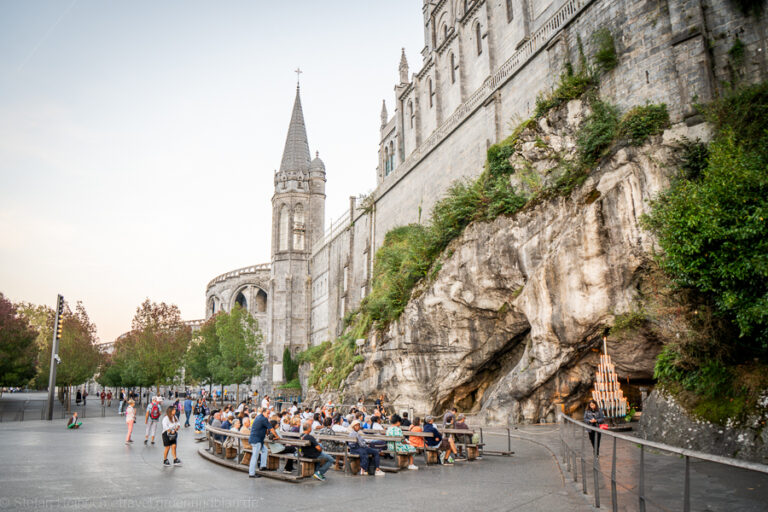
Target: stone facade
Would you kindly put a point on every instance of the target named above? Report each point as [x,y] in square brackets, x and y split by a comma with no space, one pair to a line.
[483,65]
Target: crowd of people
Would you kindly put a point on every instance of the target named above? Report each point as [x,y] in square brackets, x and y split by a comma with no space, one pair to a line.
[266,427]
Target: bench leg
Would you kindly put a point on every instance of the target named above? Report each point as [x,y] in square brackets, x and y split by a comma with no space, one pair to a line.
[273,463]
[432,457]
[307,469]
[471,452]
[246,459]
[354,465]
[402,460]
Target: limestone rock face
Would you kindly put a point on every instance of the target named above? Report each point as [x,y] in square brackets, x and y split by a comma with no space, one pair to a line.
[508,328]
[664,420]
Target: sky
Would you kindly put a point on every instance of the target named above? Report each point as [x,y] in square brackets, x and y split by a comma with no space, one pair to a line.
[138,139]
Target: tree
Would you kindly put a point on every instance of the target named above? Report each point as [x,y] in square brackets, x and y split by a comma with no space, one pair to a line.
[156,345]
[203,353]
[17,346]
[40,318]
[240,339]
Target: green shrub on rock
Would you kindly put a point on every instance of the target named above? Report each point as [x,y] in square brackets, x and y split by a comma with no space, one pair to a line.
[643,121]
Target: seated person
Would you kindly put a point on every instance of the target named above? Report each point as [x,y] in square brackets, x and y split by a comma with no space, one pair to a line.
[216,423]
[360,447]
[462,439]
[405,423]
[246,429]
[315,451]
[338,425]
[416,441]
[73,423]
[332,446]
[438,441]
[275,446]
[398,446]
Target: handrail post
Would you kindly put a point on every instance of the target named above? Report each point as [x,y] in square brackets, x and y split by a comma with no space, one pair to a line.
[595,470]
[687,488]
[583,463]
[641,486]
[614,503]
[509,442]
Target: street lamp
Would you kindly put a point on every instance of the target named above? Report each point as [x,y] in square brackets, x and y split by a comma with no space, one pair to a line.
[58,325]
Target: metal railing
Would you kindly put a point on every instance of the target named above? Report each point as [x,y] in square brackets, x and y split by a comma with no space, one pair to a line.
[576,451]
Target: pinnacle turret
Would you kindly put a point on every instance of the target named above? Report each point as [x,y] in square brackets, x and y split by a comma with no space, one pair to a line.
[296,153]
[403,68]
[384,114]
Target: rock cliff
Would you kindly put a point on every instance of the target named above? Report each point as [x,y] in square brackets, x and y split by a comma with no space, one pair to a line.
[508,328]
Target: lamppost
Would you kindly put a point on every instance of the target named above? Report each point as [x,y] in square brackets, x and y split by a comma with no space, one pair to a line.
[55,360]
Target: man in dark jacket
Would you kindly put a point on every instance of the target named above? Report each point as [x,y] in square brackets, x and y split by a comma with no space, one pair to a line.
[259,429]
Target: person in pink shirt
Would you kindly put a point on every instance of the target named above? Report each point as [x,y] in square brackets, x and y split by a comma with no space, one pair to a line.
[130,419]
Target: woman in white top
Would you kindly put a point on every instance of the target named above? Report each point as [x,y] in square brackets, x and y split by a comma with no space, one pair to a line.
[130,419]
[171,428]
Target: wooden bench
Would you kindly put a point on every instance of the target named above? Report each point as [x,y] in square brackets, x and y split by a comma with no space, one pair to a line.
[472,449]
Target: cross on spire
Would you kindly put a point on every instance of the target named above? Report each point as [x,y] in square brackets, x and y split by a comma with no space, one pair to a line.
[298,72]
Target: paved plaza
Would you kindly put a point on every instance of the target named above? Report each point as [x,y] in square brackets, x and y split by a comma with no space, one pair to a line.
[47,467]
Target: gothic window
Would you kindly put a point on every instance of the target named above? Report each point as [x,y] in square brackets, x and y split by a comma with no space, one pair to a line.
[213,306]
[241,301]
[298,228]
[431,93]
[445,32]
[345,280]
[391,156]
[387,170]
[283,223]
[510,13]
[453,68]
[479,38]
[261,301]
[410,112]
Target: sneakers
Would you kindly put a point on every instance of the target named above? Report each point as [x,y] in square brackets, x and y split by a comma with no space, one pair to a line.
[451,460]
[176,462]
[363,472]
[442,458]
[413,467]
[379,473]
[287,471]
[145,441]
[153,441]
[318,476]
[166,463]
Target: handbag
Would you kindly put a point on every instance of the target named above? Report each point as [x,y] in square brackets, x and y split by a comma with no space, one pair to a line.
[171,436]
[276,447]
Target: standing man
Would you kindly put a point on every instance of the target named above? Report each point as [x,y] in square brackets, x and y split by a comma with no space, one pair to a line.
[121,397]
[259,429]
[187,409]
[151,418]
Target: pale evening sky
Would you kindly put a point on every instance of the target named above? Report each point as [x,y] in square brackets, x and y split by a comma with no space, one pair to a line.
[138,139]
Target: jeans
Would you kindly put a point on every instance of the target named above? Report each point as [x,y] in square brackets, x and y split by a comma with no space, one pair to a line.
[364,452]
[256,449]
[328,462]
[120,409]
[151,428]
[187,412]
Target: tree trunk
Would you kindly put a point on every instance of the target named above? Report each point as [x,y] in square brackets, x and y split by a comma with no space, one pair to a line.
[69,395]
[237,394]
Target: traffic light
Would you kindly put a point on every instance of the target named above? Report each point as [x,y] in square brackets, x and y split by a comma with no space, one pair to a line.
[59,317]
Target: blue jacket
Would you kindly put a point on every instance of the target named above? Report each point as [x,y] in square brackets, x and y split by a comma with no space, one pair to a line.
[187,405]
[259,429]
[436,438]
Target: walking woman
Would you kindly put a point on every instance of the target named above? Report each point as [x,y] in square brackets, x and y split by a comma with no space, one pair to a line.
[594,417]
[130,419]
[171,428]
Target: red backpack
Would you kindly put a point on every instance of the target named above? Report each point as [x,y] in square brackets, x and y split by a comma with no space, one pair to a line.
[154,413]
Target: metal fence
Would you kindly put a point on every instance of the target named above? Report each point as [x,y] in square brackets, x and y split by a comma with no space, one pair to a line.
[35,410]
[641,474]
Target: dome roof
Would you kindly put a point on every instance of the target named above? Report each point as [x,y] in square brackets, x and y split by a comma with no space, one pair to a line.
[317,164]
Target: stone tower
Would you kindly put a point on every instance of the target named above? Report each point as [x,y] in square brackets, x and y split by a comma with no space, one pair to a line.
[298,219]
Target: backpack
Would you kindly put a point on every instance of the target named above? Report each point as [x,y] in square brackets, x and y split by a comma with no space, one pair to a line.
[154,413]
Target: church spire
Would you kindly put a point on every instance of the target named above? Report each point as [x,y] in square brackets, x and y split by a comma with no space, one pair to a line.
[296,152]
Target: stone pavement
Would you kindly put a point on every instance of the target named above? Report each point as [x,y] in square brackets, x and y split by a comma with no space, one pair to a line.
[714,487]
[47,467]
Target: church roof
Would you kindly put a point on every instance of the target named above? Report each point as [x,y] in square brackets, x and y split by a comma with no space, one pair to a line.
[296,152]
